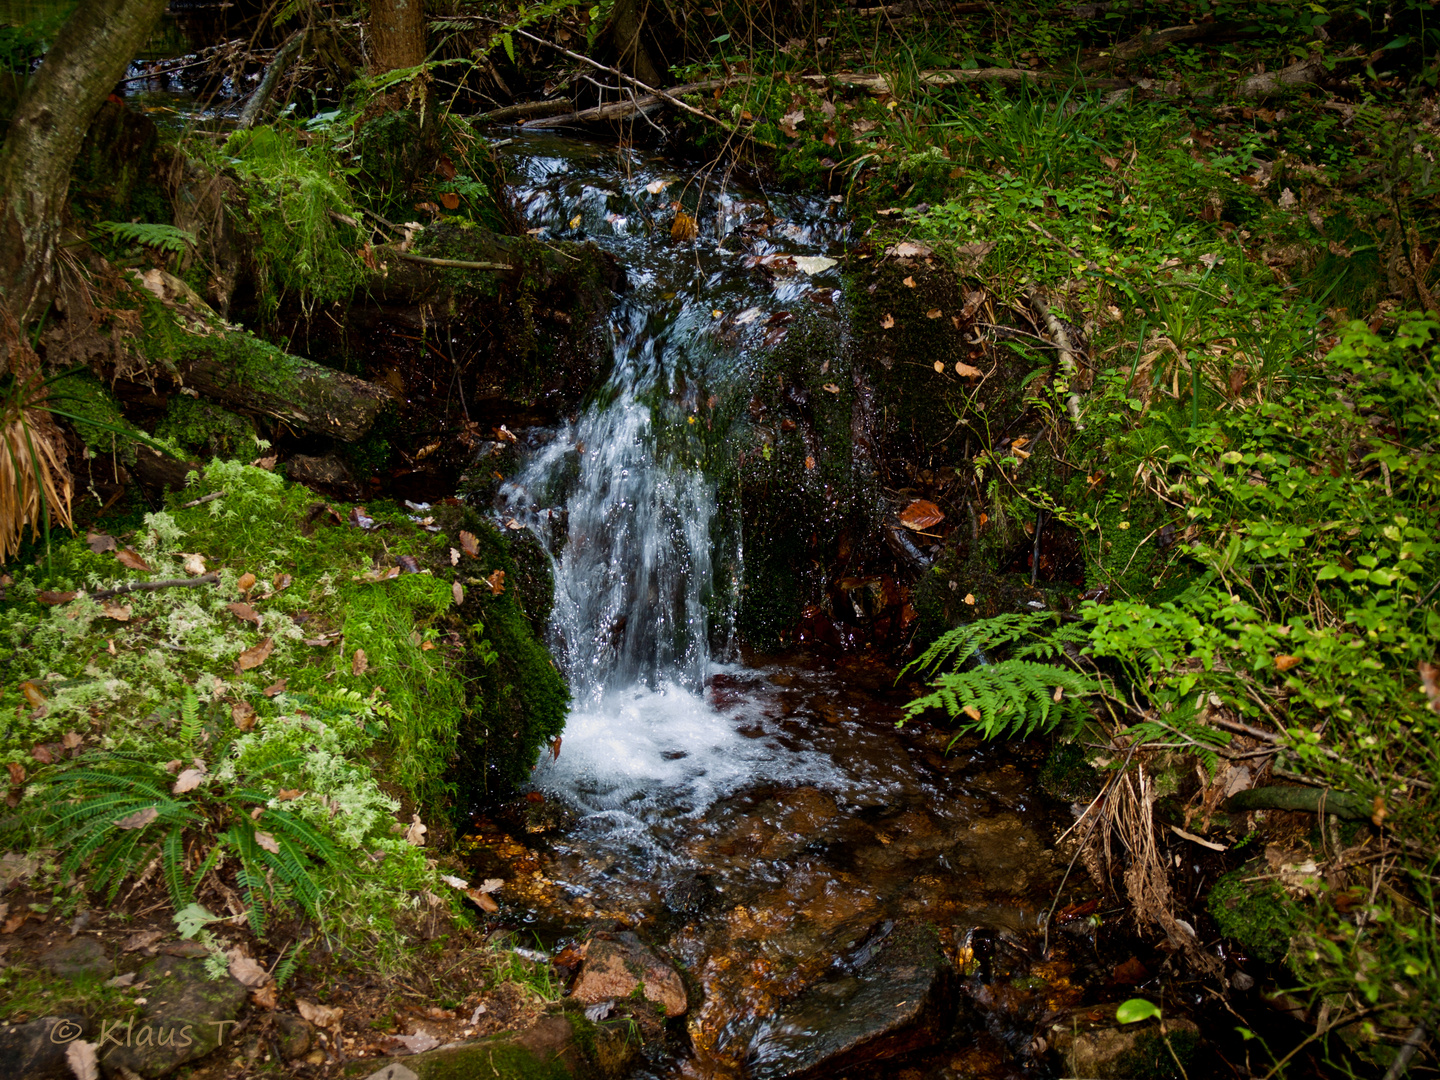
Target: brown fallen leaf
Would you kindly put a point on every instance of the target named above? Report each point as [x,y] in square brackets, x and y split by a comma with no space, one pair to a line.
[276,687]
[42,753]
[245,970]
[379,574]
[287,794]
[483,901]
[141,939]
[1285,663]
[139,819]
[83,1060]
[359,663]
[195,564]
[450,200]
[966,371]
[415,834]
[888,322]
[830,388]
[255,656]
[129,558]
[49,596]
[246,583]
[458,592]
[1430,683]
[496,581]
[908,249]
[33,692]
[320,1015]
[245,613]
[909,283]
[118,612]
[244,715]
[970,599]
[265,996]
[188,780]
[469,545]
[268,842]
[683,228]
[100,542]
[933,313]
[972,712]
[454,556]
[281,582]
[14,922]
[16,771]
[940,367]
[809,462]
[921,514]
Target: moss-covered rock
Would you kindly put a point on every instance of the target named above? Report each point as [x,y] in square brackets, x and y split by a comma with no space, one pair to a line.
[1257,915]
[204,428]
[519,699]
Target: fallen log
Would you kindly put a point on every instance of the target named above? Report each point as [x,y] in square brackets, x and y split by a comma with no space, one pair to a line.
[239,370]
[1306,799]
[525,110]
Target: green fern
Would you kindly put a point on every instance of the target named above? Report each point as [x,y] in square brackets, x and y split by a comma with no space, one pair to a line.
[113,813]
[1013,697]
[147,234]
[189,718]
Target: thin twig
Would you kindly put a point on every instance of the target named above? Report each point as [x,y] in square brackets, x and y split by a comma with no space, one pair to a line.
[150,586]
[459,264]
[202,500]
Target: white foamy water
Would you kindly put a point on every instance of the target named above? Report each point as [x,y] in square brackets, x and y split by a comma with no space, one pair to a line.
[641,752]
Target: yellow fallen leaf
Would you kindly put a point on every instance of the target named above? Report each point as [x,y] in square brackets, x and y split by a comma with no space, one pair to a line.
[933,313]
[888,321]
[909,283]
[970,599]
[966,370]
[972,712]
[940,367]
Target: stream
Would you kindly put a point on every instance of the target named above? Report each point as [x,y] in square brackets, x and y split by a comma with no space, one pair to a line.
[840,892]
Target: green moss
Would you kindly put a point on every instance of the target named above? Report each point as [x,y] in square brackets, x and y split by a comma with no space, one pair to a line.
[1067,773]
[81,397]
[1256,914]
[1152,1059]
[206,429]
[519,699]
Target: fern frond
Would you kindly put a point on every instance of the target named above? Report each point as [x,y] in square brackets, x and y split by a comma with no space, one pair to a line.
[189,718]
[161,237]
[958,646]
[1007,699]
[181,892]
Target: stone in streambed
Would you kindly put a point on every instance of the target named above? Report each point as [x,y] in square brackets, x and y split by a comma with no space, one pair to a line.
[896,1003]
[77,957]
[36,1051]
[553,1049]
[187,1015]
[613,970]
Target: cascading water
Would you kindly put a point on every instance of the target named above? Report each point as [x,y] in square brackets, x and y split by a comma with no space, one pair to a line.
[768,826]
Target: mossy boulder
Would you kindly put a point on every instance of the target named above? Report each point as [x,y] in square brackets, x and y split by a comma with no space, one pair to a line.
[1256,915]
[518,698]
[557,1047]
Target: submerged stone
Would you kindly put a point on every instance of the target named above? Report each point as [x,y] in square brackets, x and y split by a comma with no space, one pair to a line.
[896,1003]
[617,969]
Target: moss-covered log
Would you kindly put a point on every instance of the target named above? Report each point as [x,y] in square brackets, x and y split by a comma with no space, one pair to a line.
[1306,799]
[243,372]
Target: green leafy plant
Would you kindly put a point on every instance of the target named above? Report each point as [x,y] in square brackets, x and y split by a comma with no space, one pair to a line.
[166,238]
[1031,690]
[113,813]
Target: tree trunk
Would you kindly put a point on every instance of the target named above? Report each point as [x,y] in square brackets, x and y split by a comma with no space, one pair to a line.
[397,35]
[87,60]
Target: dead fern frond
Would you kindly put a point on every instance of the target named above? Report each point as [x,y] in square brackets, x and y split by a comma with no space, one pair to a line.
[35,484]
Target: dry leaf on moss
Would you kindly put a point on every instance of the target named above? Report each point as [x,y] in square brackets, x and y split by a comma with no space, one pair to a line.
[254,657]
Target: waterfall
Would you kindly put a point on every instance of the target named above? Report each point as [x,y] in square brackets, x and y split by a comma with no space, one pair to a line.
[632,538]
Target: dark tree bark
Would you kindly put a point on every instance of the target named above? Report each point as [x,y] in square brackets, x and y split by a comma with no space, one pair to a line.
[87,60]
[397,35]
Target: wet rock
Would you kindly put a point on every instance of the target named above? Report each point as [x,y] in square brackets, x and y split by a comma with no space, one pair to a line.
[186,1016]
[552,1049]
[76,957]
[1113,1053]
[896,1003]
[294,1035]
[36,1051]
[615,969]
[327,475]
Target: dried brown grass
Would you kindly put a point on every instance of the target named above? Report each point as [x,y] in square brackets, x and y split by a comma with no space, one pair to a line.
[35,484]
